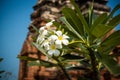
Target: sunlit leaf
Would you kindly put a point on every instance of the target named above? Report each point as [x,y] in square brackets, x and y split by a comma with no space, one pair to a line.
[73,19]
[41,63]
[63,19]
[117,7]
[114,21]
[81,17]
[35,28]
[58,25]
[36,61]
[101,29]
[40,48]
[27,58]
[99,20]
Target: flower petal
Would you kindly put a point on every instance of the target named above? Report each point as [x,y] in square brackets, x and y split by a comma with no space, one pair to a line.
[41,29]
[50,52]
[47,47]
[44,32]
[58,42]
[59,33]
[49,24]
[40,39]
[56,53]
[59,46]
[65,36]
[53,37]
[65,42]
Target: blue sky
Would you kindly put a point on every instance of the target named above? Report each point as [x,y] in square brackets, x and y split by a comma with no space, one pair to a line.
[14,22]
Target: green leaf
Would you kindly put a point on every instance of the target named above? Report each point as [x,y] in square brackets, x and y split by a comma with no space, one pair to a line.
[42,63]
[72,57]
[100,30]
[81,17]
[111,64]
[40,48]
[61,26]
[26,58]
[77,68]
[63,19]
[91,14]
[85,63]
[36,61]
[73,19]
[99,20]
[112,13]
[35,28]
[111,42]
[114,21]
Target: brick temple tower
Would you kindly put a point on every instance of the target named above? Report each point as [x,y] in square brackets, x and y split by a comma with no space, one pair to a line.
[49,9]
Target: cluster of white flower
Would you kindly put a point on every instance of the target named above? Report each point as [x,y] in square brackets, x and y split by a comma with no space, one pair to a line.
[51,40]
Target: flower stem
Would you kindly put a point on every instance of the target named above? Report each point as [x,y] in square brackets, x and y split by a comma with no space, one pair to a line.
[95,75]
[64,71]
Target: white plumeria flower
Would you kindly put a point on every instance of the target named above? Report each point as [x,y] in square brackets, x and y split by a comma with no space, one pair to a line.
[59,46]
[49,24]
[43,31]
[46,45]
[52,38]
[62,38]
[53,50]
[40,39]
[51,43]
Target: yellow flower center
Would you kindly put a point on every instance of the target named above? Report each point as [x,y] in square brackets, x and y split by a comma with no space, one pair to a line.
[53,47]
[60,38]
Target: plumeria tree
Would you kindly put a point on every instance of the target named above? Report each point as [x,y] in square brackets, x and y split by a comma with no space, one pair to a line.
[80,39]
